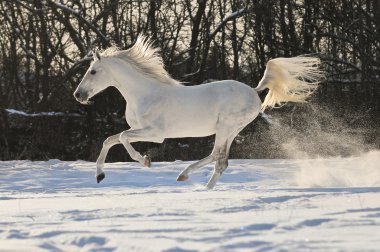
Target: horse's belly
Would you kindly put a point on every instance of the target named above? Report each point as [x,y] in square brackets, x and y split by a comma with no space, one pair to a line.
[196,125]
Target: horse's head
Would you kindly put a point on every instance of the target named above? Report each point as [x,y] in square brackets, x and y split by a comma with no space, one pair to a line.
[94,81]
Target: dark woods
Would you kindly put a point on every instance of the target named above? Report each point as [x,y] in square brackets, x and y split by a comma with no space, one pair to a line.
[44,46]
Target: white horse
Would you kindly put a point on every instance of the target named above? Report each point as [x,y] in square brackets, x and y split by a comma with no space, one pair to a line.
[160,107]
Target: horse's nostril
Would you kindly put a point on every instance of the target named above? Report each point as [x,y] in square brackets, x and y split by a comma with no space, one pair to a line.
[77,94]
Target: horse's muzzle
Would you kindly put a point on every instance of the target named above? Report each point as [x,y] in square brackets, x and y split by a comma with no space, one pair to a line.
[77,95]
[82,98]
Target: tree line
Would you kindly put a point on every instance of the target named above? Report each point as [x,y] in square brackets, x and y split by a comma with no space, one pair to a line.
[45,44]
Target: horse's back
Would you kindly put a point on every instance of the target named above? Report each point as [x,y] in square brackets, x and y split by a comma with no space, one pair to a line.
[236,97]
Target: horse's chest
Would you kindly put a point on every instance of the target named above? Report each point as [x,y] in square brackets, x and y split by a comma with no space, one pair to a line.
[143,115]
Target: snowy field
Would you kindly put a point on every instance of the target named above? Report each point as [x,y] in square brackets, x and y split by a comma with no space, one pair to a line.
[258,205]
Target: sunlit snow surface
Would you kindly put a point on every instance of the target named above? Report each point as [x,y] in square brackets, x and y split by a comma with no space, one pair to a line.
[258,205]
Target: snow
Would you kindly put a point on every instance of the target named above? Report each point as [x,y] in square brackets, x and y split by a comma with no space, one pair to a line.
[258,205]
[23,113]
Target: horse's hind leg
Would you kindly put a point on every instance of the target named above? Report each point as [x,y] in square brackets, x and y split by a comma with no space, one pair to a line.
[219,147]
[184,175]
[146,135]
[222,163]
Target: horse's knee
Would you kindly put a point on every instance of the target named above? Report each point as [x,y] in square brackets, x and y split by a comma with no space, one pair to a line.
[123,136]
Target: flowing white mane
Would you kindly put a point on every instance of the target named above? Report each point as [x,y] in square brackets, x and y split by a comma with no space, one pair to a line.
[144,58]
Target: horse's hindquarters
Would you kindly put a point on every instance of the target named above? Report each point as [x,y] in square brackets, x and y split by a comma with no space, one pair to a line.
[240,104]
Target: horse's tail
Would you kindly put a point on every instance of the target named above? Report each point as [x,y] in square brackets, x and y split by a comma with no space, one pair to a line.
[290,80]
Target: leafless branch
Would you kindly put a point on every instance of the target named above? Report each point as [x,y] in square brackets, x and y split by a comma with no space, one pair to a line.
[230,17]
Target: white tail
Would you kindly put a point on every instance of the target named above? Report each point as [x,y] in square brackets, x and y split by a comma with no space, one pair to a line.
[290,80]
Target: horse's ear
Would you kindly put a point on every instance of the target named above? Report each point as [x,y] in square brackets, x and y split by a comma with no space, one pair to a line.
[96,55]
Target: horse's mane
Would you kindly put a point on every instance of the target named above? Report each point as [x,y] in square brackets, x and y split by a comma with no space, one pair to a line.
[144,58]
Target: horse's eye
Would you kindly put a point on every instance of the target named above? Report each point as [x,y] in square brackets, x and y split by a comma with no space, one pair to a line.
[93,71]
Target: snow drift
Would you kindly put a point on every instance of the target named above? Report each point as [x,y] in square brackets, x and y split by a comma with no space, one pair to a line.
[359,171]
[258,205]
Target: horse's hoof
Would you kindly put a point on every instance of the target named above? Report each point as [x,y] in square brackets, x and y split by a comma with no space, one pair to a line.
[182,177]
[210,186]
[147,161]
[100,177]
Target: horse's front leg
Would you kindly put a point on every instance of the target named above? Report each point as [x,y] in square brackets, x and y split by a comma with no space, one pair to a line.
[107,144]
[126,138]
[129,136]
[220,165]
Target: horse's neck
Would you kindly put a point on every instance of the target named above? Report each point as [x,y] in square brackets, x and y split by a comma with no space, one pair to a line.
[132,84]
